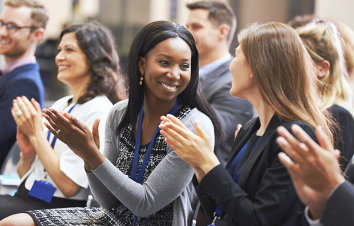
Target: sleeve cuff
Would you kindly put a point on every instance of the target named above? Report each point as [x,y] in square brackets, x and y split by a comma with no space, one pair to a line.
[309,220]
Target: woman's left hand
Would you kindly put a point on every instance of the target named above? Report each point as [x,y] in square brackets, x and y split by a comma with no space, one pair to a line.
[195,149]
[28,116]
[76,135]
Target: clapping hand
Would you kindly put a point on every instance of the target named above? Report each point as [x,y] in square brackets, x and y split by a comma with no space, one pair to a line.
[76,135]
[195,149]
[314,169]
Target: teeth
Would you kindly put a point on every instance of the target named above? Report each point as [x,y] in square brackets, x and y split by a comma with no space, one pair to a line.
[169,87]
[62,67]
[4,42]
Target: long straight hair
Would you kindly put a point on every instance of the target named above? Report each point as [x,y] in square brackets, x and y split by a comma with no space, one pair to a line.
[151,35]
[285,73]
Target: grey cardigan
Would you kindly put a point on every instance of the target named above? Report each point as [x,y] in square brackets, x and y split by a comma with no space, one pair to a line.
[169,182]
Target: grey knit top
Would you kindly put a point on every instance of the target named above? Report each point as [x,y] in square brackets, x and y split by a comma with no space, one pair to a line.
[169,182]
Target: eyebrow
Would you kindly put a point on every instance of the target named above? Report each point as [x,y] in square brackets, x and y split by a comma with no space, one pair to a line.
[169,57]
[68,45]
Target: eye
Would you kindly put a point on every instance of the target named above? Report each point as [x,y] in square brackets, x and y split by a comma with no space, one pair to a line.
[11,26]
[184,67]
[163,62]
[195,26]
[69,49]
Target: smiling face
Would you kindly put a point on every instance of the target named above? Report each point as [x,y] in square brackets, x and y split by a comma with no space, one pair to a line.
[72,63]
[15,44]
[242,78]
[166,69]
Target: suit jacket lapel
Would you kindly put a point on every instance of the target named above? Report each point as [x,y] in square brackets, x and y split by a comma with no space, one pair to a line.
[271,129]
[242,137]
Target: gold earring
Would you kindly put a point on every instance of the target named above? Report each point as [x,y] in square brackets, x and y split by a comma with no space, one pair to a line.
[141,80]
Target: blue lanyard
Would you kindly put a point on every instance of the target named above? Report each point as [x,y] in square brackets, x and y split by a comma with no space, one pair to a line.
[133,175]
[218,210]
[55,138]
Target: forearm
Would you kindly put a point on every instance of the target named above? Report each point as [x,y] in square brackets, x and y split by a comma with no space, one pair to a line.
[51,163]
[23,166]
[147,198]
[103,196]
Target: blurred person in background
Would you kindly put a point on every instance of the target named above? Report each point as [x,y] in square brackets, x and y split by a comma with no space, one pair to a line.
[325,46]
[213,25]
[22,26]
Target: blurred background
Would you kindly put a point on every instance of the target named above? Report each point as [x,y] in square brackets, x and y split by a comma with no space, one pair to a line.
[126,17]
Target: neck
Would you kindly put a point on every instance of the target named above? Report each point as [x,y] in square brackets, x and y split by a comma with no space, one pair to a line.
[265,113]
[78,90]
[28,53]
[215,54]
[154,108]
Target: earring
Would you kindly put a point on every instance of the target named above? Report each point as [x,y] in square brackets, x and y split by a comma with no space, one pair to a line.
[141,80]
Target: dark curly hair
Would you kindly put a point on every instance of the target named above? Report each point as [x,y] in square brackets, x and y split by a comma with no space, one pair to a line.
[98,44]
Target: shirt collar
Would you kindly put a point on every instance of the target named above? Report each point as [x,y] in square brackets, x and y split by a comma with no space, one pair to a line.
[10,67]
[204,71]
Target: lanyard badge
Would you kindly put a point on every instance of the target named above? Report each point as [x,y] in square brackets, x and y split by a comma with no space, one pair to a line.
[42,190]
[139,177]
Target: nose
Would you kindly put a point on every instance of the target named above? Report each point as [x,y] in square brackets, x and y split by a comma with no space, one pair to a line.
[3,30]
[59,57]
[174,72]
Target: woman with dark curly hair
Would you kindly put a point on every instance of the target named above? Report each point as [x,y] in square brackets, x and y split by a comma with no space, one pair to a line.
[52,174]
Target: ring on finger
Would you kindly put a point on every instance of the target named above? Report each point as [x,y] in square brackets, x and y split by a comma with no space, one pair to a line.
[57,131]
[18,113]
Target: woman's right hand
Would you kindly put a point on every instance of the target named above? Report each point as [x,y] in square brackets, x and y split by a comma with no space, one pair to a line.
[27,151]
[28,116]
[194,149]
[76,135]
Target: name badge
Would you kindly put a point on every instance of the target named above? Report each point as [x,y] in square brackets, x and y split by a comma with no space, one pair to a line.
[42,190]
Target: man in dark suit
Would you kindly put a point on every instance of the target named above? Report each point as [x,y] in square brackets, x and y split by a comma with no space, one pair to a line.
[213,25]
[22,25]
[316,175]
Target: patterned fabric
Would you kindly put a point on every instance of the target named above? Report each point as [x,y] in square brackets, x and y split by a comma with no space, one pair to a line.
[119,215]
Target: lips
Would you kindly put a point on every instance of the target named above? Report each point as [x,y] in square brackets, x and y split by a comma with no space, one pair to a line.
[170,87]
[4,43]
[62,67]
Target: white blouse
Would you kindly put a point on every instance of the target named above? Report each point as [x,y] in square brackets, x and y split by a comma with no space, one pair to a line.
[71,164]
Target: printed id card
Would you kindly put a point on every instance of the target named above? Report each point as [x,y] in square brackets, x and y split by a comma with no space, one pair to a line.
[42,190]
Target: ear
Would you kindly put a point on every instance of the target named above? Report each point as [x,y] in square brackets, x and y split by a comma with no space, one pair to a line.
[224,31]
[323,69]
[38,34]
[141,65]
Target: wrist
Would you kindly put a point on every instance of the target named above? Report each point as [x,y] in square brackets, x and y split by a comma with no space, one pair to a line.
[332,185]
[205,167]
[36,137]
[93,160]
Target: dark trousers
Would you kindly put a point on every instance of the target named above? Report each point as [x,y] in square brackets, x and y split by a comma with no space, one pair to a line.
[21,202]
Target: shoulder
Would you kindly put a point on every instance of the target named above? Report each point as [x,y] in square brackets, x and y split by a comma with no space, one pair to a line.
[304,125]
[117,111]
[340,113]
[96,107]
[120,106]
[195,114]
[28,71]
[99,102]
